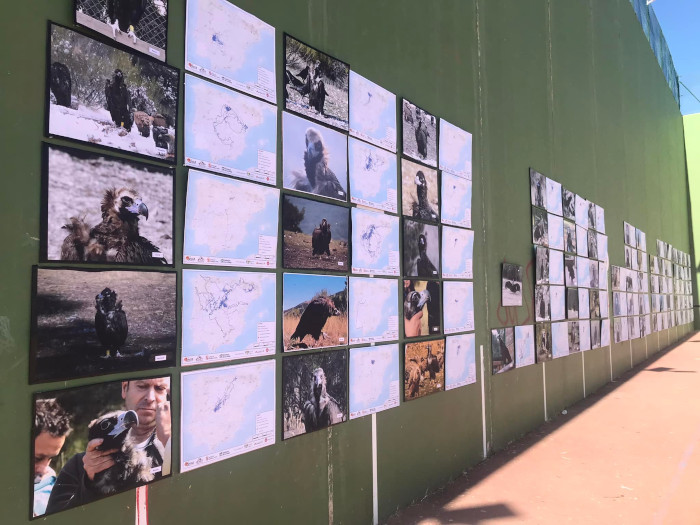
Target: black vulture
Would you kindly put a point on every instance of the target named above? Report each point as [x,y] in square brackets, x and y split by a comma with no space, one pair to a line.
[422,209]
[413,302]
[314,318]
[321,239]
[425,266]
[116,238]
[318,177]
[320,410]
[124,15]
[61,84]
[119,100]
[433,364]
[131,464]
[422,139]
[110,321]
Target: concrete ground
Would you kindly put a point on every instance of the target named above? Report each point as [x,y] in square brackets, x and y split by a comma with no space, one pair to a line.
[629,453]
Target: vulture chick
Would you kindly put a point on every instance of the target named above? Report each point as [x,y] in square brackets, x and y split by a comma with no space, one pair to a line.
[320,410]
[110,321]
[116,238]
[314,318]
[321,239]
[424,265]
[422,209]
[124,15]
[118,100]
[131,464]
[422,139]
[318,177]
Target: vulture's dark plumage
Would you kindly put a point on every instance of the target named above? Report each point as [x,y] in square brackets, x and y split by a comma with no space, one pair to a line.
[321,239]
[124,15]
[424,265]
[422,139]
[110,321]
[314,318]
[131,464]
[118,100]
[116,238]
[413,302]
[433,364]
[422,209]
[61,84]
[318,177]
[320,410]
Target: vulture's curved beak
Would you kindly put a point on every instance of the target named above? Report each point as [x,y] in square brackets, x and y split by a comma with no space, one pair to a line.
[139,208]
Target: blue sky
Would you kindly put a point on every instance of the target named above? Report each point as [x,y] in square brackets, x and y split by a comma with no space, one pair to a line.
[679,23]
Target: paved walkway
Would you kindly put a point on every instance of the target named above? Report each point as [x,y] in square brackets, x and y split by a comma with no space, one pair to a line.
[630,453]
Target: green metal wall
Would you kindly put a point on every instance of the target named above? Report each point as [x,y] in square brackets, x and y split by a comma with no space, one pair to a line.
[691,125]
[571,88]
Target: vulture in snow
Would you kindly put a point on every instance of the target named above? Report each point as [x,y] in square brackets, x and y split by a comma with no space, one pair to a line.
[61,84]
[314,318]
[116,238]
[320,410]
[321,239]
[110,321]
[318,178]
[119,100]
[124,15]
[422,209]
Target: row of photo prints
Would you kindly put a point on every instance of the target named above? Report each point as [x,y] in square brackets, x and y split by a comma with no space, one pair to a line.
[227,411]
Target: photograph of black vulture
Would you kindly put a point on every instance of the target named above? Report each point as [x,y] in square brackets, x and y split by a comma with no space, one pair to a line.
[502,350]
[314,392]
[102,209]
[314,311]
[421,249]
[419,134]
[93,322]
[512,285]
[123,414]
[104,96]
[314,158]
[424,368]
[543,342]
[315,235]
[139,24]
[419,192]
[422,307]
[316,85]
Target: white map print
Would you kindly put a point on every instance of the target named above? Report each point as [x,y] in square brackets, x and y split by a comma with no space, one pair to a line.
[456,201]
[455,150]
[458,306]
[374,379]
[457,252]
[231,46]
[374,312]
[226,411]
[524,345]
[230,222]
[460,364]
[229,133]
[227,315]
[372,112]
[372,176]
[375,242]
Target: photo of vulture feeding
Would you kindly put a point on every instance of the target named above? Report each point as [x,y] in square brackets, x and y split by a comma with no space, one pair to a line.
[421,249]
[315,311]
[314,392]
[101,209]
[108,97]
[139,24]
[419,192]
[419,134]
[315,235]
[424,368]
[89,322]
[316,85]
[314,158]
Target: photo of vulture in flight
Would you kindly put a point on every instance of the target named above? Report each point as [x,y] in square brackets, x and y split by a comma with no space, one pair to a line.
[314,319]
[119,101]
[124,16]
[322,169]
[116,238]
[110,322]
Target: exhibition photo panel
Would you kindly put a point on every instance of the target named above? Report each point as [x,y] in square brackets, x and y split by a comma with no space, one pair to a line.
[424,368]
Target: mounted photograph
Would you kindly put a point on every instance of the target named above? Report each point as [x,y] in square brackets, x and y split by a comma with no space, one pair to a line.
[104,96]
[421,249]
[538,189]
[424,368]
[539,227]
[419,192]
[419,134]
[422,305]
[502,350]
[101,209]
[511,285]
